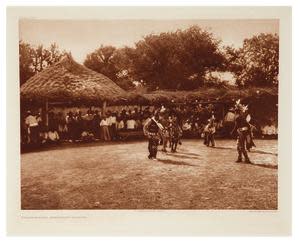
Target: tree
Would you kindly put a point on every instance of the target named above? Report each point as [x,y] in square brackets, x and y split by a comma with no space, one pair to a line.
[257,62]
[111,62]
[176,60]
[33,60]
[101,61]
[43,57]
[25,62]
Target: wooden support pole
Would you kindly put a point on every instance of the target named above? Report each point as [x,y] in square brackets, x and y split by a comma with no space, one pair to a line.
[223,111]
[104,107]
[46,110]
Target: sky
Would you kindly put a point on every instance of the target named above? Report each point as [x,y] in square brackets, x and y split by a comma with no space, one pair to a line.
[81,37]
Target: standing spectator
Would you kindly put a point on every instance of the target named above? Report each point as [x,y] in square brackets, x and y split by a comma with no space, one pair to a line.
[39,119]
[78,125]
[70,121]
[120,123]
[131,124]
[24,132]
[96,124]
[52,122]
[104,129]
[88,121]
[113,124]
[108,114]
[32,127]
[62,126]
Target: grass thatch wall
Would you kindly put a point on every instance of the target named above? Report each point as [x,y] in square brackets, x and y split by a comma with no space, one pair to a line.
[209,94]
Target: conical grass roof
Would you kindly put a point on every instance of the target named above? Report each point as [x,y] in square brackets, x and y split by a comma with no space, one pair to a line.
[68,81]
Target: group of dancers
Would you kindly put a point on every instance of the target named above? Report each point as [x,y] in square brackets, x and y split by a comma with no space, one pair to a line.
[164,130]
[161,129]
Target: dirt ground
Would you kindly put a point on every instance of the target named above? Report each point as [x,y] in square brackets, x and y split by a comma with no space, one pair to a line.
[120,176]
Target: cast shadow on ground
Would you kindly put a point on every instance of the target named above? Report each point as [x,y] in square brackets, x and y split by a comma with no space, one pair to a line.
[187,153]
[252,151]
[269,166]
[224,148]
[67,145]
[263,152]
[182,156]
[169,161]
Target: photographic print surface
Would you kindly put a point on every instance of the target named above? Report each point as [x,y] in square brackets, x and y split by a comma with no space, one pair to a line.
[149,114]
[149,121]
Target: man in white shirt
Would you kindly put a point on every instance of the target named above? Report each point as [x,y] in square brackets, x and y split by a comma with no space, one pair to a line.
[104,133]
[53,136]
[33,128]
[131,124]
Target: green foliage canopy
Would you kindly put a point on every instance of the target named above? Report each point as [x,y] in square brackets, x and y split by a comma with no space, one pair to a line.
[256,63]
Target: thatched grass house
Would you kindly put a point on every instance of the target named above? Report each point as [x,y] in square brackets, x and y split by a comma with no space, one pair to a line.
[69,82]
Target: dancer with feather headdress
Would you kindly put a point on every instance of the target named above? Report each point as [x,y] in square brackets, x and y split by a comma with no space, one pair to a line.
[243,130]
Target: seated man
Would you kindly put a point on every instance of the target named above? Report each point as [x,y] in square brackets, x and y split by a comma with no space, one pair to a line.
[52,136]
[87,136]
[187,126]
[269,131]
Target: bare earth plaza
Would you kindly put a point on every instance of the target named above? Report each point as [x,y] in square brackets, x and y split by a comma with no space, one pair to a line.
[108,177]
[166,114]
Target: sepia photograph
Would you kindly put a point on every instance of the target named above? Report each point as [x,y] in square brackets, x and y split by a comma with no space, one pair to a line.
[149,121]
[177,114]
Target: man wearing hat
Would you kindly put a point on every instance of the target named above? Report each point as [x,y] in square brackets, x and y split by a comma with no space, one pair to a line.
[242,128]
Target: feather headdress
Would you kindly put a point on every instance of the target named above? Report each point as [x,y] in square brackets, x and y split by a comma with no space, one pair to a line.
[240,107]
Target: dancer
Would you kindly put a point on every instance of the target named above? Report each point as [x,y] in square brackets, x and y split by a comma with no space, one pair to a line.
[242,128]
[175,134]
[166,123]
[249,138]
[209,133]
[152,130]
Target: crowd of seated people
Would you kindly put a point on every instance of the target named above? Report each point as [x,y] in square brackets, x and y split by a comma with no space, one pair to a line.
[94,126]
[269,130]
